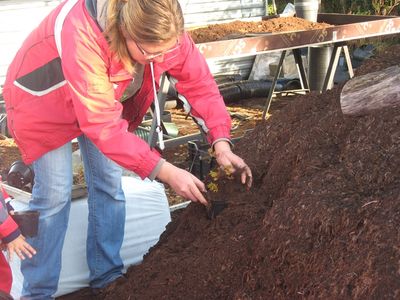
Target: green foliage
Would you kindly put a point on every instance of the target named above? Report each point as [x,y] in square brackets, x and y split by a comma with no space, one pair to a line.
[346,6]
[360,7]
[270,10]
[385,7]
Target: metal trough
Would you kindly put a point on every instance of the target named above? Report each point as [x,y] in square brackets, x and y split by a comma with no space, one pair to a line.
[345,28]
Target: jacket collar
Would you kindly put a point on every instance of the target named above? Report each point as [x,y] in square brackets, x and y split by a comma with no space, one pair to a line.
[97,9]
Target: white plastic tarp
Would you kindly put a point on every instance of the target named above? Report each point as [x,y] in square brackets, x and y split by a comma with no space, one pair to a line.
[147,214]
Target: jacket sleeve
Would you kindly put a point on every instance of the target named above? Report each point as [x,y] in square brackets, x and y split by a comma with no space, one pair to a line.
[8,228]
[86,68]
[196,83]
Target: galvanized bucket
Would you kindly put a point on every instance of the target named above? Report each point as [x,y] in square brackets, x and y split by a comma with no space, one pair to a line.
[307,9]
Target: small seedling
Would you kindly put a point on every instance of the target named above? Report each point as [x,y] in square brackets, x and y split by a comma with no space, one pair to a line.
[216,175]
[213,187]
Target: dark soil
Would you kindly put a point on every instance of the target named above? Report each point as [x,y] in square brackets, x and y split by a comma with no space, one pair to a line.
[321,220]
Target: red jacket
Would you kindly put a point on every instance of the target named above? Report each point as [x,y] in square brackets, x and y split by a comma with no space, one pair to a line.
[5,275]
[8,232]
[54,95]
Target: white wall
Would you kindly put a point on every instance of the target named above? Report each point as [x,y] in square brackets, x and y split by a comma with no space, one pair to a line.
[17,20]
[19,17]
[198,12]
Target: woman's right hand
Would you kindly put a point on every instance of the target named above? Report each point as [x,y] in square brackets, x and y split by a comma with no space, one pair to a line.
[184,183]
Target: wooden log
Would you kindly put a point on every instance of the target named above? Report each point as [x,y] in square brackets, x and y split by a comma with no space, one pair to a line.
[373,91]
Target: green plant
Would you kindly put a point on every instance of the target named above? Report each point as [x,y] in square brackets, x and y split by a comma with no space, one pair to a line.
[360,7]
[270,10]
[216,175]
[384,7]
[346,6]
[213,186]
[279,7]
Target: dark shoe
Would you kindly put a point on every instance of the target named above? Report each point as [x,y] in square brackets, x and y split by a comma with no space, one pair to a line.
[109,286]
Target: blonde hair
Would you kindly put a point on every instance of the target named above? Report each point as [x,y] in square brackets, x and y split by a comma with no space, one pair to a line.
[145,21]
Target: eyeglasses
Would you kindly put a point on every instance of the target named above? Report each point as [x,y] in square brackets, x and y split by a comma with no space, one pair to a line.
[151,56]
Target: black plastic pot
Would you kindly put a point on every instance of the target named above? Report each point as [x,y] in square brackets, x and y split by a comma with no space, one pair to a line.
[216,207]
[20,175]
[28,222]
[200,161]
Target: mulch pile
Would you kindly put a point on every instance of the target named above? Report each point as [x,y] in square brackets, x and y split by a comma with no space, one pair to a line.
[321,221]
[215,32]
[8,154]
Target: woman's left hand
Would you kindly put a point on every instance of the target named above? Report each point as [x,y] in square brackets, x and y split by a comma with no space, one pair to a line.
[230,161]
[20,247]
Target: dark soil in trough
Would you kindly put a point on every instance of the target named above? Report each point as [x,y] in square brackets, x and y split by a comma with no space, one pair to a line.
[321,221]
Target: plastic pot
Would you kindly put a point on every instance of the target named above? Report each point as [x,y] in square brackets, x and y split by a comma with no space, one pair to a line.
[20,174]
[216,207]
[28,222]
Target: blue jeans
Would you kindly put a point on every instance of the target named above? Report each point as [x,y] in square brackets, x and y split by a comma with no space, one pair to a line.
[52,197]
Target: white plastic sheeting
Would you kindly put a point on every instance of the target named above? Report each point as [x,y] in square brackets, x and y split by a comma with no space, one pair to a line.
[147,214]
